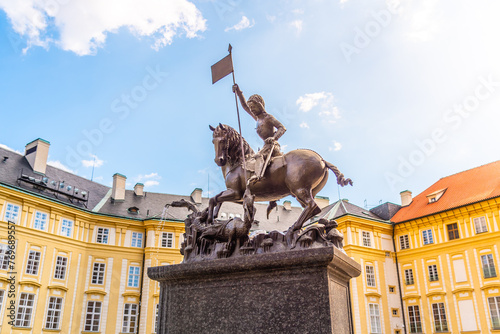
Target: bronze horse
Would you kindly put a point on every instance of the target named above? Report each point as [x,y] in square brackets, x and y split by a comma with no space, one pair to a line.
[303,175]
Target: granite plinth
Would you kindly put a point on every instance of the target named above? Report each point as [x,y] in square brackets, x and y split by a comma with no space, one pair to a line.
[298,291]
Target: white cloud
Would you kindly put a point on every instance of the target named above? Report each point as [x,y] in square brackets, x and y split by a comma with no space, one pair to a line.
[81,26]
[304,125]
[336,146]
[10,149]
[58,164]
[325,101]
[151,183]
[271,18]
[243,24]
[298,11]
[94,162]
[297,24]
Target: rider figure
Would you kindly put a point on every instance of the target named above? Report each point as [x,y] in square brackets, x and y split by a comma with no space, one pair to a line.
[268,128]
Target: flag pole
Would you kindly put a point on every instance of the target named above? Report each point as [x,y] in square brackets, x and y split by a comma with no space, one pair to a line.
[239,123]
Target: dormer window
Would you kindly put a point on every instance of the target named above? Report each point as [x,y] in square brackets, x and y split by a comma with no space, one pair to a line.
[435,196]
[134,210]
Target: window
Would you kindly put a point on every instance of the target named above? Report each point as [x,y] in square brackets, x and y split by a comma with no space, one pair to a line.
[375,318]
[2,294]
[370,276]
[480,225]
[25,309]
[409,277]
[167,240]
[93,316]
[136,239]
[392,289]
[40,221]
[433,273]
[367,240]
[98,273]
[414,316]
[102,235]
[427,236]
[439,314]
[33,263]
[488,266]
[452,231]
[60,272]
[133,276]
[4,257]
[395,312]
[53,313]
[404,242]
[12,212]
[66,227]
[129,318]
[494,303]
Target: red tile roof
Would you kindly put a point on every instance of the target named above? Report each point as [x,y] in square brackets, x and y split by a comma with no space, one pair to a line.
[471,186]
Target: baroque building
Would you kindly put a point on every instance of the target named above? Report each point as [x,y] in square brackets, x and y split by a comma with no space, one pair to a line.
[74,253]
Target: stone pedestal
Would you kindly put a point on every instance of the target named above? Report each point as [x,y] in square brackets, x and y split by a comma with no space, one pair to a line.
[298,291]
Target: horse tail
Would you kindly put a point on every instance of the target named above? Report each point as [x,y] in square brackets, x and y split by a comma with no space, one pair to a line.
[340,177]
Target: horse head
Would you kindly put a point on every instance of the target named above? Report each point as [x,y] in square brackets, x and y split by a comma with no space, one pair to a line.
[220,142]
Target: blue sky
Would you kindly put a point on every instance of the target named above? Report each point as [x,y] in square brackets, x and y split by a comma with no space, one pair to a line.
[395,93]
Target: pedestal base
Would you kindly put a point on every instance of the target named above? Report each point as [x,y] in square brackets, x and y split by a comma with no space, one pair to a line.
[302,291]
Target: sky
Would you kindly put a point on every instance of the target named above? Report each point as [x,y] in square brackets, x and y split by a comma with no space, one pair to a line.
[396,94]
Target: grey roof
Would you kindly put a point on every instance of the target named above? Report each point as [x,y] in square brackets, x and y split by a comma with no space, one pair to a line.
[344,207]
[386,211]
[151,205]
[10,171]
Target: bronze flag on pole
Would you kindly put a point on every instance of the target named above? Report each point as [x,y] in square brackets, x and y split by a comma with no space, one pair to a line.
[222,68]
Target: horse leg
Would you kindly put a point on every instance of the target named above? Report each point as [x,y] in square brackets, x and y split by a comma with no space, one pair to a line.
[225,196]
[304,196]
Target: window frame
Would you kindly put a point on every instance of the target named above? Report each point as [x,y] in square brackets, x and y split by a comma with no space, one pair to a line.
[494,313]
[53,316]
[366,239]
[136,241]
[483,224]
[60,268]
[127,318]
[433,273]
[98,271]
[374,318]
[95,316]
[409,278]
[164,241]
[370,276]
[427,237]
[68,229]
[42,221]
[4,257]
[404,242]
[102,234]
[488,266]
[439,320]
[134,276]
[24,309]
[13,215]
[33,264]
[453,234]
[414,319]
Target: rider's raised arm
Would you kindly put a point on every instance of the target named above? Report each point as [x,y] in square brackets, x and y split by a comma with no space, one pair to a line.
[280,128]
[243,101]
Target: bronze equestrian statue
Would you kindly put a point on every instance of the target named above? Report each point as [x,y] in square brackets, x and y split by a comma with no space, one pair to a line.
[303,174]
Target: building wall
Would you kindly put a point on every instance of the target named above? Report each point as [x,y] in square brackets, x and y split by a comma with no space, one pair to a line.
[378,254]
[82,251]
[461,285]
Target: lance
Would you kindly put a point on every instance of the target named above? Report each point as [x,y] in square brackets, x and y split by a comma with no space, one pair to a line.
[219,70]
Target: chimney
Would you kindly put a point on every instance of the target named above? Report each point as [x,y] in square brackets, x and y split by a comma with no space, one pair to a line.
[287,205]
[118,193]
[36,153]
[196,195]
[139,189]
[406,198]
[322,201]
